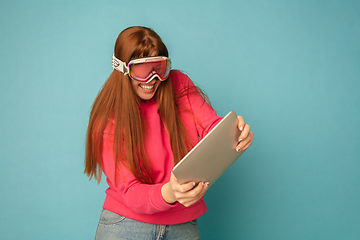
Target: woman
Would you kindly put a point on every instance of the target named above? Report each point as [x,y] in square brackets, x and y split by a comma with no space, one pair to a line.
[143,121]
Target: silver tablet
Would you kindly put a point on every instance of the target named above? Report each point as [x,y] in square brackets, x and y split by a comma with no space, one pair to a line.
[213,155]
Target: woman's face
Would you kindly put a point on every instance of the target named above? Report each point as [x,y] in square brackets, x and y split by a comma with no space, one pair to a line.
[146,91]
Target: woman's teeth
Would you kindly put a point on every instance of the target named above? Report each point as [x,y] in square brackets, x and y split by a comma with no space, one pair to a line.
[147,87]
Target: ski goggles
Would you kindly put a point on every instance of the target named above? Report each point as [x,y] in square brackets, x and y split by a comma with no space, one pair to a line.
[144,69]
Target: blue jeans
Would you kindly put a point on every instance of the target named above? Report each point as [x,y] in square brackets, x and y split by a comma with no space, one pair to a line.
[113,226]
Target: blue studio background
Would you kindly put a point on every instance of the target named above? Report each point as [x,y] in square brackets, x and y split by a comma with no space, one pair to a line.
[291,68]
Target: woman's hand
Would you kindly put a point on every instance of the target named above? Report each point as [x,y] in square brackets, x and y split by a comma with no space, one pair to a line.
[246,136]
[186,194]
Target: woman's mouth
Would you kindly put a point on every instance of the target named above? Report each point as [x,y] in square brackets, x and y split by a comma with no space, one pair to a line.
[147,87]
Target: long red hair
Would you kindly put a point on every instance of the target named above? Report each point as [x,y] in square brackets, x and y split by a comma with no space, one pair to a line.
[118,102]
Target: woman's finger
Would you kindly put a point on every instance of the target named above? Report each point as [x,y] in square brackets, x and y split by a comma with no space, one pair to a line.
[194,196]
[183,188]
[244,144]
[198,190]
[190,194]
[241,123]
[176,186]
[244,133]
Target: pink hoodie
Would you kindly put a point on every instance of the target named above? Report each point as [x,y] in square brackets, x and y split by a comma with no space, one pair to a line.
[143,202]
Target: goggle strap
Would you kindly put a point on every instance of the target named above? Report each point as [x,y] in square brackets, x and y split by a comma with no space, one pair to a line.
[119,65]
